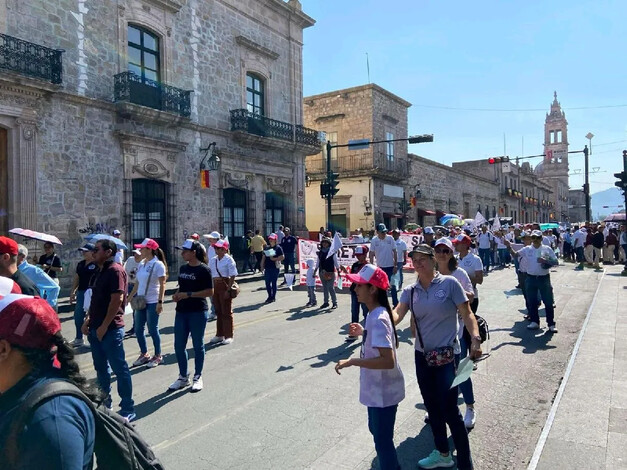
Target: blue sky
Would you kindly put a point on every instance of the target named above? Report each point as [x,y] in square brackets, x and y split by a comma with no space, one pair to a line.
[497,55]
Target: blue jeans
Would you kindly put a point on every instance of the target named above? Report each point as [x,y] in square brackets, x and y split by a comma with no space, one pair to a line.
[503,258]
[579,254]
[390,271]
[148,314]
[381,426]
[441,403]
[541,284]
[79,313]
[108,355]
[486,256]
[465,387]
[355,308]
[289,262]
[271,277]
[186,323]
[328,288]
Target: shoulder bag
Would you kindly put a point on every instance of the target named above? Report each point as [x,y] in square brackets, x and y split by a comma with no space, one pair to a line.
[139,301]
[436,357]
[233,290]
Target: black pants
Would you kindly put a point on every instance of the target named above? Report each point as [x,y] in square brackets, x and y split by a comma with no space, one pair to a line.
[258,256]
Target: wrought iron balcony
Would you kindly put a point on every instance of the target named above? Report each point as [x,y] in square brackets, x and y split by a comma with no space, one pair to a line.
[368,164]
[245,121]
[130,88]
[33,60]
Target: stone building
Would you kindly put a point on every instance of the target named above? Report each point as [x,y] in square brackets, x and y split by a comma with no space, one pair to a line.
[104,107]
[576,206]
[371,179]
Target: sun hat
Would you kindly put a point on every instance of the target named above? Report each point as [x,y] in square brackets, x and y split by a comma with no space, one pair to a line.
[221,244]
[422,249]
[371,274]
[446,242]
[27,321]
[148,243]
[8,245]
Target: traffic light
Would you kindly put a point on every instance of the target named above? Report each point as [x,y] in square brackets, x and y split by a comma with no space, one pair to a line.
[495,160]
[333,182]
[403,206]
[324,190]
[418,139]
[622,180]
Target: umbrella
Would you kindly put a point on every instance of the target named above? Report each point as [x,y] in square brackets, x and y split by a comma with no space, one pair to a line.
[44,237]
[446,217]
[454,222]
[544,227]
[615,217]
[93,238]
[411,226]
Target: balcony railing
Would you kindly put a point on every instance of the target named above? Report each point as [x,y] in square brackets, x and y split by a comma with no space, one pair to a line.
[30,59]
[244,120]
[129,87]
[347,164]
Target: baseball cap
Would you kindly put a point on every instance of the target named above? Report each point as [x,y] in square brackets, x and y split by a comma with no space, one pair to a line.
[272,236]
[371,274]
[221,244]
[116,232]
[462,239]
[148,243]
[326,239]
[428,230]
[445,241]
[422,249]
[87,247]
[536,233]
[27,321]
[188,244]
[194,236]
[382,228]
[361,250]
[8,245]
[215,235]
[396,230]
[8,286]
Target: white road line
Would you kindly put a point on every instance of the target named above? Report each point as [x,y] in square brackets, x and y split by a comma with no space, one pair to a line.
[535,459]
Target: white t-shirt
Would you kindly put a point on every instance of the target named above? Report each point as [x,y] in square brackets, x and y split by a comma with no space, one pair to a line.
[226,265]
[464,280]
[401,246]
[484,240]
[579,239]
[131,269]
[471,263]
[499,243]
[531,254]
[119,257]
[380,388]
[143,273]
[383,251]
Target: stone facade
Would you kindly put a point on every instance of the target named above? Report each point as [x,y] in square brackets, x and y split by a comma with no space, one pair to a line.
[78,151]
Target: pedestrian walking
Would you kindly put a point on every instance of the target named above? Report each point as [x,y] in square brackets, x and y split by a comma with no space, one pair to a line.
[623,242]
[401,257]
[361,252]
[195,285]
[485,239]
[149,293]
[257,244]
[434,301]
[472,264]
[85,270]
[48,288]
[327,266]
[598,242]
[223,272]
[212,238]
[130,266]
[119,255]
[60,433]
[538,259]
[50,262]
[8,267]
[381,382]
[270,263]
[104,327]
[249,265]
[611,241]
[311,283]
[383,252]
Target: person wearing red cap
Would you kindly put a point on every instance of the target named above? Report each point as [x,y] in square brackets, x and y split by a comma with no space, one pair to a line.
[9,268]
[61,432]
[381,382]
[151,276]
[223,272]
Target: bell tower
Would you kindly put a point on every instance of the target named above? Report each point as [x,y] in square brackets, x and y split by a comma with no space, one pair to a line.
[556,138]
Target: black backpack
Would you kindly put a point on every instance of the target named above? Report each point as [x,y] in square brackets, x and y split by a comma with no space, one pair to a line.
[118,445]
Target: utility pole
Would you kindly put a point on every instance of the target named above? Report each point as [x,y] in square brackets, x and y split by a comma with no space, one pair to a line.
[586,185]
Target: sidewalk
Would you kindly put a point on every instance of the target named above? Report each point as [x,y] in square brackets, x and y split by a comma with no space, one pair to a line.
[587,425]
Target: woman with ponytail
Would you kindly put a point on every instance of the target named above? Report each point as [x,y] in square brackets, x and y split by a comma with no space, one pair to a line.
[382,386]
[60,433]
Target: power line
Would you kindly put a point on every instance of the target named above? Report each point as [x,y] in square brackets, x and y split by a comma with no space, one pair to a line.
[505,110]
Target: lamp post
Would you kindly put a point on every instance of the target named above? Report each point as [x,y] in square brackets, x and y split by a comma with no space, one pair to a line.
[586,188]
[213,163]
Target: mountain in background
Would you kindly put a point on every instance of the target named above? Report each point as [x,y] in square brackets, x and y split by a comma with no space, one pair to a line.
[611,197]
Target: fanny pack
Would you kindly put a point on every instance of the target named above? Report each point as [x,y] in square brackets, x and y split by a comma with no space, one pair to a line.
[436,357]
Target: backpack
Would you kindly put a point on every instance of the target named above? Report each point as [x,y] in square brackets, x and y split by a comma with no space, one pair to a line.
[117,446]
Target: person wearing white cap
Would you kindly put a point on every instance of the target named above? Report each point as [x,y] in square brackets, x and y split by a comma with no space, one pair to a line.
[119,256]
[212,238]
[223,272]
[539,259]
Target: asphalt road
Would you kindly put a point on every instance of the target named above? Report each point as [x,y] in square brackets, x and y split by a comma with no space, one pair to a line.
[272,399]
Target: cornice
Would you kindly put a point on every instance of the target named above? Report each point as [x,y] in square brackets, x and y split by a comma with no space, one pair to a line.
[253,46]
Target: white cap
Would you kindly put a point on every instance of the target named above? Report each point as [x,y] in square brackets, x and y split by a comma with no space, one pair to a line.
[116,232]
[429,230]
[215,235]
[444,241]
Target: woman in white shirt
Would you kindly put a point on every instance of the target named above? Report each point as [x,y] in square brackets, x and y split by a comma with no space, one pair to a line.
[223,272]
[150,283]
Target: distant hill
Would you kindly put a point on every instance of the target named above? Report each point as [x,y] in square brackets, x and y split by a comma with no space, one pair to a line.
[611,197]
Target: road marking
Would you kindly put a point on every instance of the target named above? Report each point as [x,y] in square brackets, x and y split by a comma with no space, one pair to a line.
[535,459]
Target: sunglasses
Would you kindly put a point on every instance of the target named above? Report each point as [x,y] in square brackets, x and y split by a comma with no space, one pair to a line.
[444,251]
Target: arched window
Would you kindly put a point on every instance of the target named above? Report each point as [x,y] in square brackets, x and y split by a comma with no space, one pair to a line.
[143,54]
[255,94]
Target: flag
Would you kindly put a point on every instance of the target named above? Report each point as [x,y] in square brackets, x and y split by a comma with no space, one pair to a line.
[496,225]
[204,179]
[336,245]
[289,280]
[479,219]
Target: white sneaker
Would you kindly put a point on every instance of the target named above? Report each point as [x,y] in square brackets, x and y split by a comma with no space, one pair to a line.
[141,360]
[533,326]
[181,382]
[227,341]
[216,339]
[197,385]
[469,418]
[553,329]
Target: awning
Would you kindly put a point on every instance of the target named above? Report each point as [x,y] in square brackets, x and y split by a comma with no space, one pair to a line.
[424,212]
[392,216]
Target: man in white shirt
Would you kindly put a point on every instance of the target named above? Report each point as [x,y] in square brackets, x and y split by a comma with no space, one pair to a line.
[383,248]
[119,255]
[484,241]
[538,259]
[579,239]
[401,255]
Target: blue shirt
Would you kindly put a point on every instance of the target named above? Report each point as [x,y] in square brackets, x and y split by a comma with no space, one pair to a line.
[289,244]
[59,436]
[46,285]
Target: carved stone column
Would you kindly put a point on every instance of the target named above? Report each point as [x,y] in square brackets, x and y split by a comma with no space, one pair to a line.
[24,184]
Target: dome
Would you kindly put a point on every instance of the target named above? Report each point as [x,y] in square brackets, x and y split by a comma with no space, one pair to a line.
[539,169]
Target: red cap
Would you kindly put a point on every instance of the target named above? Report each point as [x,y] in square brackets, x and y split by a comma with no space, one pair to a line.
[370,274]
[272,236]
[194,236]
[27,321]
[8,245]
[221,244]
[462,239]
[148,243]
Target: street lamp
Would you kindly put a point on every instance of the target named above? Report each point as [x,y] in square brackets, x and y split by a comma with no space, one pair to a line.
[213,163]
[587,152]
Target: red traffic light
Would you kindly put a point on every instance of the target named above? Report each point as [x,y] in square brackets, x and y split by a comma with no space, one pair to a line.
[495,160]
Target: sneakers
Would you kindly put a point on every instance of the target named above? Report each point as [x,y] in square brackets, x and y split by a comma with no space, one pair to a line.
[128,416]
[211,316]
[226,341]
[141,360]
[308,304]
[155,361]
[77,343]
[553,329]
[181,382]
[334,306]
[130,333]
[533,326]
[470,417]
[436,460]
[197,385]
[216,339]
[325,305]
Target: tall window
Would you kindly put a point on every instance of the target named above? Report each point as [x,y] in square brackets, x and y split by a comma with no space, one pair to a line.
[234,220]
[274,212]
[389,146]
[255,94]
[149,211]
[143,53]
